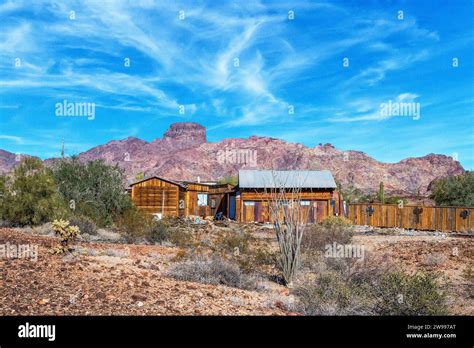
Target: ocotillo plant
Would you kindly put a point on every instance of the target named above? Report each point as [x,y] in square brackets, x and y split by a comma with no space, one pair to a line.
[381,193]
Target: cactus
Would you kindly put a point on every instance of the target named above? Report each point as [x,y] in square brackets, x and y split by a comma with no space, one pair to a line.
[66,233]
[381,193]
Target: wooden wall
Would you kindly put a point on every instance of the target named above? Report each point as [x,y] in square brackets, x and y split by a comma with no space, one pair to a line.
[318,209]
[219,193]
[447,219]
[157,196]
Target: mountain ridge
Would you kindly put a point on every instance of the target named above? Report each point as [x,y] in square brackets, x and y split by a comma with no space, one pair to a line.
[183,153]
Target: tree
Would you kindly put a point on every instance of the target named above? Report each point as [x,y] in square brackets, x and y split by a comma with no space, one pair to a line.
[232,180]
[454,190]
[30,196]
[93,189]
[355,195]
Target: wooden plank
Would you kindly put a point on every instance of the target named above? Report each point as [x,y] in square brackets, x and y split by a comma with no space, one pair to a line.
[431,218]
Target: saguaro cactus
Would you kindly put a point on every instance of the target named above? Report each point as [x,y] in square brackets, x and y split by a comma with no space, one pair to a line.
[381,193]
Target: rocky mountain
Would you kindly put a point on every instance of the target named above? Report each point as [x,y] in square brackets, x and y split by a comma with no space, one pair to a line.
[183,153]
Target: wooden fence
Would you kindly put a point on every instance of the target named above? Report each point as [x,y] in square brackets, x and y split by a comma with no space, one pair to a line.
[449,219]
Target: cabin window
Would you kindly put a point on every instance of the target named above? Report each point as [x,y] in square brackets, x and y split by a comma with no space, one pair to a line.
[202,199]
[304,202]
[249,203]
[213,203]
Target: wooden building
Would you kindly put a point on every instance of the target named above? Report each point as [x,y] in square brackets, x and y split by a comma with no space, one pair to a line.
[247,202]
[165,197]
[317,193]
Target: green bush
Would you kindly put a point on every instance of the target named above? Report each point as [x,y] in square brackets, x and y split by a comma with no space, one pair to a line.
[92,189]
[30,196]
[401,294]
[454,190]
[372,291]
[236,240]
[136,225]
[331,294]
[355,195]
[232,180]
[331,230]
[157,232]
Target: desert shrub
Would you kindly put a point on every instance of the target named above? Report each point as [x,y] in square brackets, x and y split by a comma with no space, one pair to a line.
[373,291]
[336,221]
[245,250]
[30,196]
[235,241]
[332,294]
[454,190]
[468,275]
[329,231]
[355,195]
[157,232]
[213,270]
[67,235]
[136,225]
[249,261]
[180,237]
[131,224]
[399,293]
[435,259]
[232,180]
[94,188]
[85,224]
[395,200]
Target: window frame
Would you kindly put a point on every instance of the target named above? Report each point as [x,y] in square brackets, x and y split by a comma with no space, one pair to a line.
[200,201]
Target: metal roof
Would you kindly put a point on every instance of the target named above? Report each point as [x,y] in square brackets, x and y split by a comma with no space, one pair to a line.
[286,178]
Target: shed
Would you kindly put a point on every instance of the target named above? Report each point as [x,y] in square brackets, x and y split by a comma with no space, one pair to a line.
[253,195]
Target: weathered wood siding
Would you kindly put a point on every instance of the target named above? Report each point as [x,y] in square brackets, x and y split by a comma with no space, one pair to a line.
[218,193]
[156,196]
[411,216]
[253,205]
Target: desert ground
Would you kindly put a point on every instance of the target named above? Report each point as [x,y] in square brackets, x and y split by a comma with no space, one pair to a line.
[106,276]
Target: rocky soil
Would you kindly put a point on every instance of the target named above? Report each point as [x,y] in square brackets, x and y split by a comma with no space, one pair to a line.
[112,279]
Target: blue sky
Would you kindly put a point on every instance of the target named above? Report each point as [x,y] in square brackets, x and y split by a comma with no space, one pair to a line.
[239,68]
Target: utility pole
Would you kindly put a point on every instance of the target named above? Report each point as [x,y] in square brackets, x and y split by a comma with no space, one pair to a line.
[62,148]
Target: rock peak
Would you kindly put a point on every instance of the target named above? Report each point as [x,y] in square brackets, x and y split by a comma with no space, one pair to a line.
[186,134]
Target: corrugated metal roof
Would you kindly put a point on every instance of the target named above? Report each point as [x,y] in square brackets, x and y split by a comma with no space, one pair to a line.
[286,178]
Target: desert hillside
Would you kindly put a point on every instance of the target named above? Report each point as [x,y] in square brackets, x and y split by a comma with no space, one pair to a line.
[183,153]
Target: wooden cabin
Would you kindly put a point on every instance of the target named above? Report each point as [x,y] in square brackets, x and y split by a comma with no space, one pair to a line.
[247,202]
[165,197]
[317,193]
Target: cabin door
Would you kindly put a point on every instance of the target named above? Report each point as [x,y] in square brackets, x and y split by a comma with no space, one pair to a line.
[320,210]
[261,212]
[232,207]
